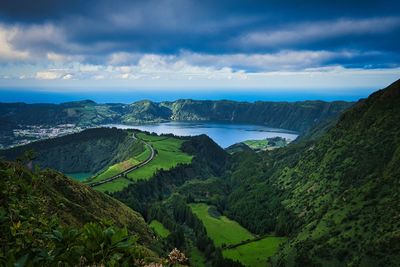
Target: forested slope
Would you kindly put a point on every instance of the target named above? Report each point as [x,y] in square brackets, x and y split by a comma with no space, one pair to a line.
[88,151]
[337,197]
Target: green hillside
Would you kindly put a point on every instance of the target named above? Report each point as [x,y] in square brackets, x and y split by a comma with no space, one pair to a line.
[220,229]
[330,198]
[48,219]
[168,154]
[336,197]
[88,151]
[255,253]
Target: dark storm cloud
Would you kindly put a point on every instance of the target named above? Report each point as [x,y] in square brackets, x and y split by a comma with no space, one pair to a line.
[97,28]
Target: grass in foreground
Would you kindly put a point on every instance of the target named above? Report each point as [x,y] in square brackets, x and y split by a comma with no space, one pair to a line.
[255,253]
[168,156]
[159,228]
[221,230]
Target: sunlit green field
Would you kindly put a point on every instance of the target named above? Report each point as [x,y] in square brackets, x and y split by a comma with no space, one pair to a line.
[257,144]
[114,186]
[221,230]
[168,156]
[159,228]
[117,168]
[255,253]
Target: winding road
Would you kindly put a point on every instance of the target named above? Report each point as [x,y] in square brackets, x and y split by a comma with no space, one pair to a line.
[125,172]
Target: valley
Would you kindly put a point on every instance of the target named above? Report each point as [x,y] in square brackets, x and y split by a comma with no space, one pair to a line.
[328,197]
[186,133]
[236,242]
[161,153]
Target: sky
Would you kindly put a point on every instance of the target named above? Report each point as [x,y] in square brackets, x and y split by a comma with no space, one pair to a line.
[325,47]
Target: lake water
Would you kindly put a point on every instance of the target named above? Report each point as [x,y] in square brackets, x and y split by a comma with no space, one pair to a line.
[80,176]
[224,134]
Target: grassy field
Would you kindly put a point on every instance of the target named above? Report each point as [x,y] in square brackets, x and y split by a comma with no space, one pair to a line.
[255,253]
[114,186]
[117,168]
[167,157]
[121,166]
[256,144]
[221,230]
[159,228]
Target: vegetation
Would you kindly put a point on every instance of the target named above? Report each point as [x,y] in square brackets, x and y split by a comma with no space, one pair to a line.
[159,228]
[88,151]
[168,155]
[35,232]
[258,145]
[255,253]
[334,194]
[269,143]
[114,186]
[116,169]
[197,258]
[220,229]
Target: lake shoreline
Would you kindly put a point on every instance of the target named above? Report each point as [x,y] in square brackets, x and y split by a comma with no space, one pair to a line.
[223,133]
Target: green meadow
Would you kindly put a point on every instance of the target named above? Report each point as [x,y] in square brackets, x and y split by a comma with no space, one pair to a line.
[255,253]
[257,144]
[117,168]
[168,155]
[114,186]
[221,230]
[159,228]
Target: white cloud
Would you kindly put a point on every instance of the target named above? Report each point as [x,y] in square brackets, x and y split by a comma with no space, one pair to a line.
[67,77]
[285,69]
[49,75]
[122,58]
[7,50]
[284,60]
[307,32]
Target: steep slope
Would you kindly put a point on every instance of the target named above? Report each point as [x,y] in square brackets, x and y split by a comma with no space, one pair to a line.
[82,113]
[145,111]
[346,189]
[87,151]
[47,219]
[336,196]
[296,116]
